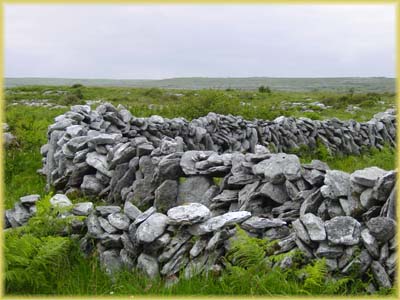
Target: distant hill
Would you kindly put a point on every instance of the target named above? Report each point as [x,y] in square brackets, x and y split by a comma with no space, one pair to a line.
[341,84]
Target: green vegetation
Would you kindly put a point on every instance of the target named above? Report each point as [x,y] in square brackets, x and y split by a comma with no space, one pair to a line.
[35,254]
[337,85]
[29,123]
[384,158]
[37,262]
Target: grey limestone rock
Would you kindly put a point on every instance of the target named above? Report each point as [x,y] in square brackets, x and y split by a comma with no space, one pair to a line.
[218,222]
[119,221]
[148,264]
[60,200]
[368,176]
[83,208]
[188,214]
[383,229]
[343,230]
[153,227]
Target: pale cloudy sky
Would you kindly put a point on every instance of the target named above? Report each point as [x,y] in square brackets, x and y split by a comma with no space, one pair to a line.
[163,41]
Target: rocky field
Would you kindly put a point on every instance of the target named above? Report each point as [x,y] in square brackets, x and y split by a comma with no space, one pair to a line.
[213,204]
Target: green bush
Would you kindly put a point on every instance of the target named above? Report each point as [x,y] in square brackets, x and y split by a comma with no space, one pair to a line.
[76,85]
[264,89]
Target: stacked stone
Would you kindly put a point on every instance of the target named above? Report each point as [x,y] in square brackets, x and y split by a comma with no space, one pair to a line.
[346,218]
[22,211]
[176,189]
[287,133]
[86,147]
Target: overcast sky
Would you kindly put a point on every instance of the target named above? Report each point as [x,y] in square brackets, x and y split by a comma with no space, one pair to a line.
[163,41]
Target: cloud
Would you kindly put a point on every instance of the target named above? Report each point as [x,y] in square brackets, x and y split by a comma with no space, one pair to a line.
[161,41]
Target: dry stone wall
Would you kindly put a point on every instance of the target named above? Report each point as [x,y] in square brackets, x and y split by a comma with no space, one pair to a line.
[173,205]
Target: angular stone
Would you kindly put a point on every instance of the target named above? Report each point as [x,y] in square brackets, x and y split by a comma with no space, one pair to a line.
[107,226]
[93,226]
[328,251]
[188,214]
[337,184]
[301,231]
[277,233]
[166,195]
[144,149]
[366,198]
[123,154]
[111,261]
[254,224]
[131,211]
[368,176]
[198,247]
[380,275]
[60,200]
[148,264]
[111,240]
[174,245]
[144,215]
[218,222]
[227,196]
[151,228]
[193,189]
[91,186]
[278,167]
[383,229]
[99,162]
[384,186]
[105,210]
[343,231]
[83,208]
[30,199]
[314,177]
[119,221]
[370,243]
[311,203]
[276,193]
[315,227]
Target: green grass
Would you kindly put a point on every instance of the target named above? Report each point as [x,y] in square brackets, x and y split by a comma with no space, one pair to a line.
[40,262]
[384,158]
[245,273]
[29,124]
[344,84]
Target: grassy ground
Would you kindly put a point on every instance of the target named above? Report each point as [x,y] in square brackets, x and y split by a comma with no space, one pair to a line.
[359,84]
[80,276]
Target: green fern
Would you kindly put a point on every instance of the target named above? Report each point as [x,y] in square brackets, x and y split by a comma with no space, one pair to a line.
[32,262]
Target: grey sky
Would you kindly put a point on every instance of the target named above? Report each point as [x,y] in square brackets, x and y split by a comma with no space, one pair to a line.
[162,41]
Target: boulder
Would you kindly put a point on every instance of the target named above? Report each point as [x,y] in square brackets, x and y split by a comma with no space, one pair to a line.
[148,265]
[105,210]
[188,214]
[193,189]
[60,201]
[314,226]
[218,222]
[380,275]
[343,230]
[166,195]
[368,176]
[151,228]
[337,184]
[83,208]
[131,211]
[30,199]
[119,221]
[382,228]
[256,223]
